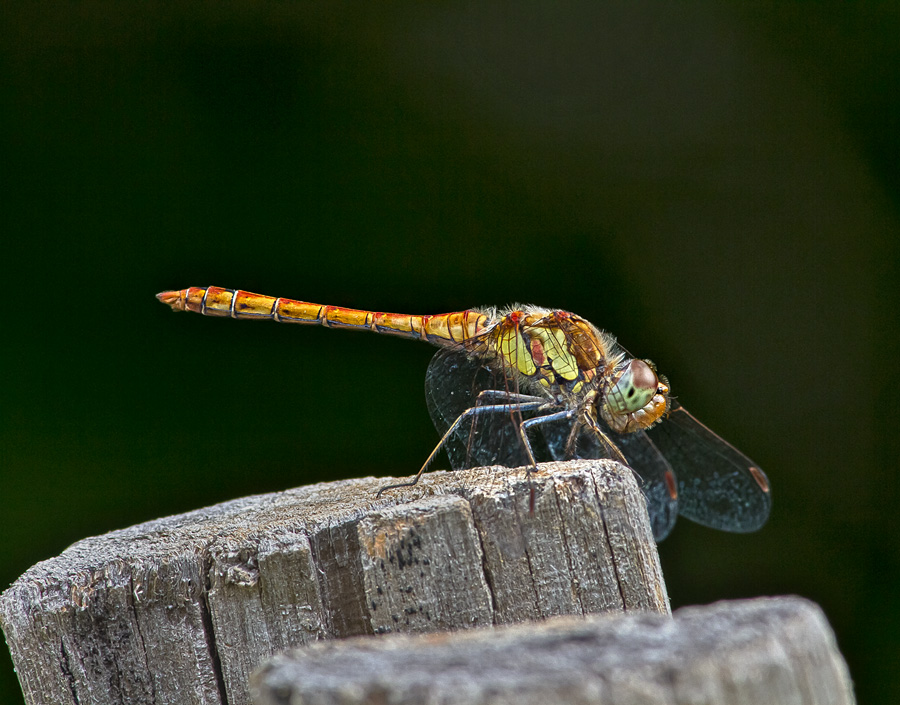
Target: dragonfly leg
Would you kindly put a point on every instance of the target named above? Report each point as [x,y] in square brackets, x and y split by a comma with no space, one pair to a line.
[591,423]
[486,394]
[521,400]
[536,403]
[536,421]
[571,441]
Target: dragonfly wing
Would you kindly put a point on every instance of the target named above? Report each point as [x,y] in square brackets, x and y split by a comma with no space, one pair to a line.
[718,486]
[452,385]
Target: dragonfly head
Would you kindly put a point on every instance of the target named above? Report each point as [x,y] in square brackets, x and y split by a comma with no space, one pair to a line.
[637,398]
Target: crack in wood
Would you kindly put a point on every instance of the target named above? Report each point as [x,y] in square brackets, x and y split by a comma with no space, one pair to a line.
[210,635]
[66,669]
[609,548]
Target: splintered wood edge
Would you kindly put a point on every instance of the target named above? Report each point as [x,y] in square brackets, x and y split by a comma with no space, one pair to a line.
[755,652]
[186,606]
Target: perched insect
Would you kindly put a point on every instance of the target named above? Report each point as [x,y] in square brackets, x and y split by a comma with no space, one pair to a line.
[526,384]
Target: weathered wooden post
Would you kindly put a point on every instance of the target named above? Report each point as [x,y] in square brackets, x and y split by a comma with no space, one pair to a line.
[182,609]
[768,651]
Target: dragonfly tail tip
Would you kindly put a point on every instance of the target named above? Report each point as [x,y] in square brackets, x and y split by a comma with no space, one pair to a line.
[171,298]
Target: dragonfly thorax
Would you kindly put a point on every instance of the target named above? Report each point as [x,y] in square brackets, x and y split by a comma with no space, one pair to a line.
[553,353]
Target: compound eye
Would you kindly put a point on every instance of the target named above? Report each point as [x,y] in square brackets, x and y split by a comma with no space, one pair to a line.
[634,389]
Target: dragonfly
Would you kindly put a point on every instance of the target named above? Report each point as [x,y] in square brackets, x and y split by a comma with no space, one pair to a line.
[525,384]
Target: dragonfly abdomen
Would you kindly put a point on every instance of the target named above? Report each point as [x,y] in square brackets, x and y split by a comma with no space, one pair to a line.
[441,329]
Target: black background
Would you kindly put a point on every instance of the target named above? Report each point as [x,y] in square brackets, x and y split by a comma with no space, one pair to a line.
[719,185]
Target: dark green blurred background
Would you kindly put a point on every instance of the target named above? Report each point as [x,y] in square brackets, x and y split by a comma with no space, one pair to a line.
[719,185]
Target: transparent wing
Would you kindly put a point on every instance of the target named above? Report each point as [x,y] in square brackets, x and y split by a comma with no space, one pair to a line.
[718,486]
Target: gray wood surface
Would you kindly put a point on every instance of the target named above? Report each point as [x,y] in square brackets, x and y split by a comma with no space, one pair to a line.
[181,609]
[766,651]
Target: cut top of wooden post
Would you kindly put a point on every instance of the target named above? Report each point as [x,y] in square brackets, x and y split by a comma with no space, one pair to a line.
[182,609]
